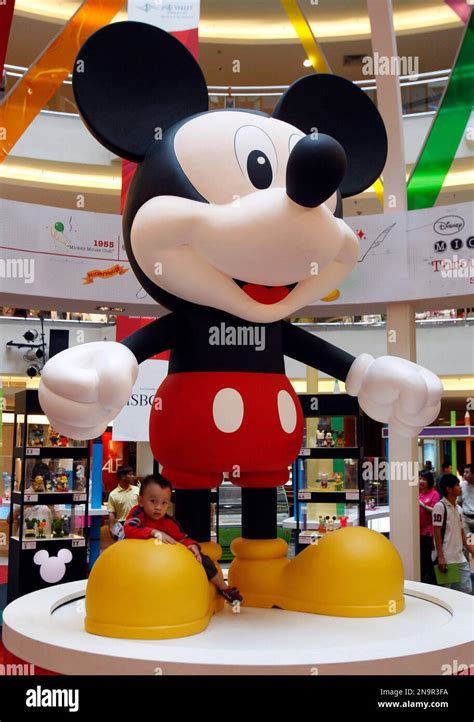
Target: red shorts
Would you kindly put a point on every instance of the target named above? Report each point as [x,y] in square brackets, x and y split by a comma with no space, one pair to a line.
[205,423]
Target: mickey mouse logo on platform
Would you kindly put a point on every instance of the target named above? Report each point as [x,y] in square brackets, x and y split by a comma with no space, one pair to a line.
[52,569]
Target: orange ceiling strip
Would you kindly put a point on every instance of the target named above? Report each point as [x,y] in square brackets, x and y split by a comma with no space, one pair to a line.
[45,76]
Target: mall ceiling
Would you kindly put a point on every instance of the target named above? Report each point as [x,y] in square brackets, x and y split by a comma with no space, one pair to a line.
[255,31]
[259,35]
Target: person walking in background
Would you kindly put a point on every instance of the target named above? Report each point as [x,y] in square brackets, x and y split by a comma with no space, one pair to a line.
[466,500]
[427,500]
[449,536]
[123,498]
[446,468]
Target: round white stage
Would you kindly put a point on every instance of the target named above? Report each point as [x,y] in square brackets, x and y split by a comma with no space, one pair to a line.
[46,628]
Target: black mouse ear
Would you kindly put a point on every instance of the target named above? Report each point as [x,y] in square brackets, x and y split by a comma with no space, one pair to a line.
[337,107]
[132,81]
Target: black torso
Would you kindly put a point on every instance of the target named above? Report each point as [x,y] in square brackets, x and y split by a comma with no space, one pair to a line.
[212,340]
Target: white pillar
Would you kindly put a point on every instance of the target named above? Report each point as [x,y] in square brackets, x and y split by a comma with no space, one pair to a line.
[404,514]
[401,330]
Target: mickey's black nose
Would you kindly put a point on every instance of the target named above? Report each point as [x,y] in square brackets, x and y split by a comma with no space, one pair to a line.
[315,169]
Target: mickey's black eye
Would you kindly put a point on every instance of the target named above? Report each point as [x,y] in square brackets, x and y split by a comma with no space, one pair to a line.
[259,169]
[256,156]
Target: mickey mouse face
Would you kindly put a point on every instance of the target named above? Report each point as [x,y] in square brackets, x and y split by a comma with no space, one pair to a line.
[229,209]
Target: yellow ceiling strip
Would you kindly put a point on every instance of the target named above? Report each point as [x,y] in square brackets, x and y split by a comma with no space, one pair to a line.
[305,34]
[45,76]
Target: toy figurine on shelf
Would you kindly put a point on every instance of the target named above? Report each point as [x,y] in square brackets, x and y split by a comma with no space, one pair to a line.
[30,531]
[36,436]
[338,482]
[57,527]
[79,479]
[329,440]
[319,437]
[343,521]
[41,530]
[324,481]
[331,523]
[54,437]
[62,481]
[340,439]
[370,504]
[322,525]
[37,485]
[49,486]
[67,525]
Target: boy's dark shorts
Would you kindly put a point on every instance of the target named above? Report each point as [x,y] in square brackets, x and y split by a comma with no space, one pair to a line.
[209,566]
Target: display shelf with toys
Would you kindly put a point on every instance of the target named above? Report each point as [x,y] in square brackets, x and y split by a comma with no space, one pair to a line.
[329,489]
[49,503]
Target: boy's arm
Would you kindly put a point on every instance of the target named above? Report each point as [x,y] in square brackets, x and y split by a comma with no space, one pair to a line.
[439,548]
[135,528]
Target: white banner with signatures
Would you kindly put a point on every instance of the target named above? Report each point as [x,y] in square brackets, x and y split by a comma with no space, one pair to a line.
[57,254]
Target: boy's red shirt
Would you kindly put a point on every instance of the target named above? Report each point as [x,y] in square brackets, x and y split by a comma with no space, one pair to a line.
[139,525]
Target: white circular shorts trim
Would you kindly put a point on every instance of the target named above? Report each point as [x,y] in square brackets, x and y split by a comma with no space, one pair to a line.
[286,411]
[228,410]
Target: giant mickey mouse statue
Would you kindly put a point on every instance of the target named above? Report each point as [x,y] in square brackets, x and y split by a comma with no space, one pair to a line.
[233,222]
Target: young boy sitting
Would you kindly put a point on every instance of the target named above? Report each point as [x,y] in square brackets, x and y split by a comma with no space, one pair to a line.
[149,519]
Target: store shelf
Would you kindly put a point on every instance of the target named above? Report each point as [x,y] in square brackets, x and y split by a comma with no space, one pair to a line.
[53,497]
[69,537]
[328,495]
[331,452]
[30,508]
[51,452]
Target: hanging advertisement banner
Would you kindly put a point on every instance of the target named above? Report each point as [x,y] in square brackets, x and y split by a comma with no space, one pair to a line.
[74,259]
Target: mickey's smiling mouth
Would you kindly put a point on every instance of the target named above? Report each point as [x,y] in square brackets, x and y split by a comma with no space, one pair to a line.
[265,294]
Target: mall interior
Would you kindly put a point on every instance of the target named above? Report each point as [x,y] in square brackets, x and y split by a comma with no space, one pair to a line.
[109,221]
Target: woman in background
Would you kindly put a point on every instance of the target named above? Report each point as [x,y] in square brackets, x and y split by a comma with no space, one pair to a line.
[427,499]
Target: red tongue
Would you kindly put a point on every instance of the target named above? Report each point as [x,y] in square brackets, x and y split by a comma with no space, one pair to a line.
[262,294]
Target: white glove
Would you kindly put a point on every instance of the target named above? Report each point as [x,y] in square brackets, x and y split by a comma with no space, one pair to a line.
[396,392]
[84,387]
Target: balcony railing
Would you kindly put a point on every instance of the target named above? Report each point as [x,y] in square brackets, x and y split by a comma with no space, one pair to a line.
[418,96]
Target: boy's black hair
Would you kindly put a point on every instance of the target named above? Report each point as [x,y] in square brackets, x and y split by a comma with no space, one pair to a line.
[446,464]
[155,479]
[428,477]
[447,481]
[123,471]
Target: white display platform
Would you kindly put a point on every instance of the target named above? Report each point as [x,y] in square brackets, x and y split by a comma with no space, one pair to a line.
[45,628]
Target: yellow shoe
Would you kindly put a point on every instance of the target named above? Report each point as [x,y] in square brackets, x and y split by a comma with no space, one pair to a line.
[143,589]
[352,572]
[257,570]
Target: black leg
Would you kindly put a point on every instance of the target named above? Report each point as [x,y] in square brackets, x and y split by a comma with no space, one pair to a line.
[259,513]
[193,512]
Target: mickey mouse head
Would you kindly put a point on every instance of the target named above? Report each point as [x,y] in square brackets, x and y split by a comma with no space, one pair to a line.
[52,569]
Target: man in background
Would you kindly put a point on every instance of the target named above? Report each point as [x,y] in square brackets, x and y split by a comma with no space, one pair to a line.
[466,500]
[123,498]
